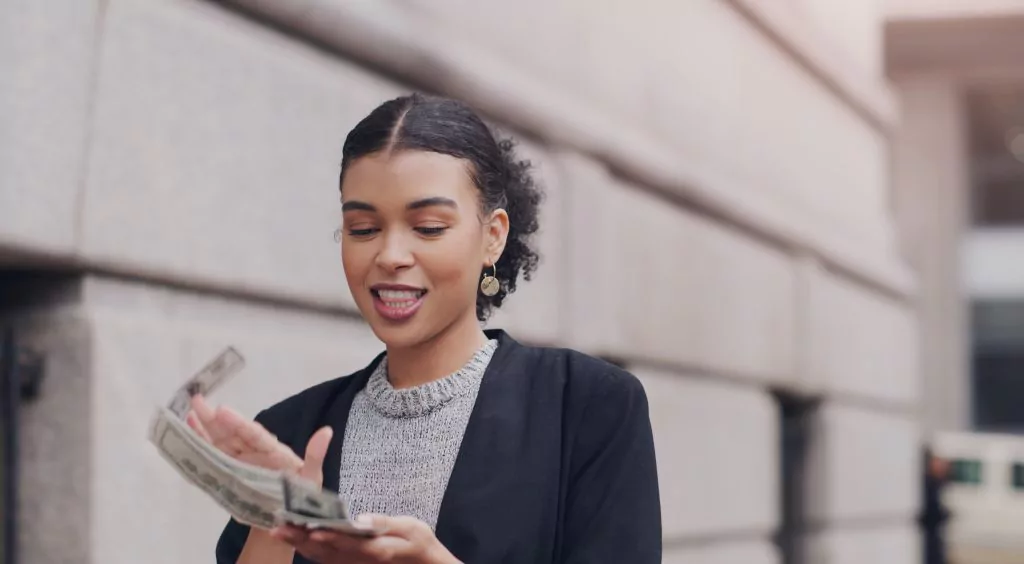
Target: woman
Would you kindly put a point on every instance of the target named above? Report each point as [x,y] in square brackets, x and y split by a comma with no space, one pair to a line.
[460,444]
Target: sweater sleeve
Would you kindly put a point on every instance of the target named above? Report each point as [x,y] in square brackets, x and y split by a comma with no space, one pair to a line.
[613,509]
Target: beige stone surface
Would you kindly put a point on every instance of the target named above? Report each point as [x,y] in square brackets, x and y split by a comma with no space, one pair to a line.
[862,465]
[56,456]
[146,341]
[653,281]
[750,111]
[696,293]
[896,544]
[216,150]
[853,29]
[858,342]
[46,53]
[931,179]
[187,145]
[535,312]
[708,486]
[727,552]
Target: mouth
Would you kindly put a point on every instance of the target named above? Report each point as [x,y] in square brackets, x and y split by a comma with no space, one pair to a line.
[397,303]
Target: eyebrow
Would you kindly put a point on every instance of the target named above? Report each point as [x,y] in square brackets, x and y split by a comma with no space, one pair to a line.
[356,205]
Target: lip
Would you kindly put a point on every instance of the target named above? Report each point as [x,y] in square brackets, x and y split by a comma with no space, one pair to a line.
[392,312]
[378,287]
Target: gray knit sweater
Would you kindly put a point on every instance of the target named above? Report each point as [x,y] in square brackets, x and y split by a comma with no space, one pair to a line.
[400,445]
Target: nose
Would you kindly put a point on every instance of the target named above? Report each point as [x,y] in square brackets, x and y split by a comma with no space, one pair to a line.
[395,255]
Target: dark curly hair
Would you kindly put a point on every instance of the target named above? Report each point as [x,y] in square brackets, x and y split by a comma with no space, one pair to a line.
[443,125]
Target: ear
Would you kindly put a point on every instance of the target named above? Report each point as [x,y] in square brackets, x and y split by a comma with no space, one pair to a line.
[495,235]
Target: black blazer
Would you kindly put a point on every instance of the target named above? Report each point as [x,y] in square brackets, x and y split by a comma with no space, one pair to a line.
[557,463]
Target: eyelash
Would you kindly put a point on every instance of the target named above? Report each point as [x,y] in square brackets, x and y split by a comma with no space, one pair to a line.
[425,231]
[361,232]
[431,231]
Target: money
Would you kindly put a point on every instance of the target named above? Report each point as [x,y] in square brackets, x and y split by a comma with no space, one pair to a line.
[252,495]
[204,382]
[245,501]
[311,507]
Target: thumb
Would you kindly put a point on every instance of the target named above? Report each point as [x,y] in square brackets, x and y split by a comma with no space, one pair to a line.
[316,451]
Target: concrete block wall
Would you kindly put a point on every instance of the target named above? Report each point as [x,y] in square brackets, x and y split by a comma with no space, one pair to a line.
[716,218]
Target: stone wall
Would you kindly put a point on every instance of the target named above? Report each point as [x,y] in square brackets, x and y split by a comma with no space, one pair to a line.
[717,219]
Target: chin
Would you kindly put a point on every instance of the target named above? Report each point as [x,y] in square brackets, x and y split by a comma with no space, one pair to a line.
[398,336]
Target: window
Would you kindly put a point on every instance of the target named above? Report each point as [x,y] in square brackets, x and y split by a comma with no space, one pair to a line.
[1017,476]
[965,471]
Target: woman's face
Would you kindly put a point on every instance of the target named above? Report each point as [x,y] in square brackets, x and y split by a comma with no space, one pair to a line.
[413,243]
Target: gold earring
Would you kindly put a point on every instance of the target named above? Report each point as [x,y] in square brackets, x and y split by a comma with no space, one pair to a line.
[490,285]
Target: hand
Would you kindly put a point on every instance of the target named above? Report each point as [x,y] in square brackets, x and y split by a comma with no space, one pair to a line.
[250,442]
[403,540]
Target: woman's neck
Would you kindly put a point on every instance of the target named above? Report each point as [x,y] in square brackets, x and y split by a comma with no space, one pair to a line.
[435,358]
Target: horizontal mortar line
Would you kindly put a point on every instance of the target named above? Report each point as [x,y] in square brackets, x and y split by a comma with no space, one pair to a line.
[702,540]
[862,523]
[698,371]
[876,405]
[754,230]
[204,286]
[869,96]
[408,69]
[208,287]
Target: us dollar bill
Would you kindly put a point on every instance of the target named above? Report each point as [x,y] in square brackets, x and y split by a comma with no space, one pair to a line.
[248,503]
[252,495]
[212,376]
[312,507]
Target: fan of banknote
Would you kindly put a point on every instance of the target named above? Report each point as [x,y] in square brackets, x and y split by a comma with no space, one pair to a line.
[252,495]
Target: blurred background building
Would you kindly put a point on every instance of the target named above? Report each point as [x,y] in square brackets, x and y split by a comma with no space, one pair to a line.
[799,222]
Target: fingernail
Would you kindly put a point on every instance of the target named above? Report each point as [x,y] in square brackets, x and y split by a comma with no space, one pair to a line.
[364,519]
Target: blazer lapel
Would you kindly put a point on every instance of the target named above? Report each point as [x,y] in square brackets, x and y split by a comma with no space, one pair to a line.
[469,518]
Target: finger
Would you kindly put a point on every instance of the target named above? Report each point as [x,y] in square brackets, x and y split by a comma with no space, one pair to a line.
[405,527]
[203,410]
[208,416]
[193,421]
[253,437]
[339,543]
[316,451]
[231,430]
[251,432]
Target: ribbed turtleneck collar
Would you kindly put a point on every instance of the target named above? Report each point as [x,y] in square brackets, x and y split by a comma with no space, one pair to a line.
[420,400]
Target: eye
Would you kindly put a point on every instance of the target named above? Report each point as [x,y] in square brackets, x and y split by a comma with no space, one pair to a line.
[432,231]
[362,232]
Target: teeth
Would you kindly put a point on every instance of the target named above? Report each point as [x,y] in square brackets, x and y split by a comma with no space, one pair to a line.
[398,295]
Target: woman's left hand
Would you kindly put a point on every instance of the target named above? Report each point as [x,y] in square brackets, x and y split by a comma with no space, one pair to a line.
[403,540]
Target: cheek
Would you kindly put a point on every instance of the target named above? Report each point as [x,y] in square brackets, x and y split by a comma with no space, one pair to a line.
[355,261]
[450,266]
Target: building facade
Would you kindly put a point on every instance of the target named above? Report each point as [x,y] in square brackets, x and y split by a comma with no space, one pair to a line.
[959,166]
[720,219]
[958,172]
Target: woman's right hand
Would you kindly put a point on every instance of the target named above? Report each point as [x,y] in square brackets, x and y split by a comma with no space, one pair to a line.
[250,442]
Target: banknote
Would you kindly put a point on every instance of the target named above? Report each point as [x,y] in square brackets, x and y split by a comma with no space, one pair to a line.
[212,376]
[252,495]
[309,506]
[255,476]
[245,502]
